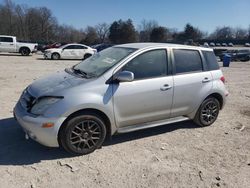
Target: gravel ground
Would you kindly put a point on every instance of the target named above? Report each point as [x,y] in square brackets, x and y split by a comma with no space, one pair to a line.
[176,155]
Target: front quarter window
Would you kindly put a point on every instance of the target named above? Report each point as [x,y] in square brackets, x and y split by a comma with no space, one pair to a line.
[101,62]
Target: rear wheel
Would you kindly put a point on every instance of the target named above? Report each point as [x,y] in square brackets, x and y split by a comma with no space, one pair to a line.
[55,56]
[83,134]
[25,51]
[245,59]
[208,112]
[86,56]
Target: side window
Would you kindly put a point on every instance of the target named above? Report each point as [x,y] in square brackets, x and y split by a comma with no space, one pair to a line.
[80,47]
[187,61]
[148,65]
[69,47]
[6,39]
[211,61]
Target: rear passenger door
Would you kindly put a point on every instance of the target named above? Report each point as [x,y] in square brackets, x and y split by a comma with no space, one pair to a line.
[80,51]
[191,82]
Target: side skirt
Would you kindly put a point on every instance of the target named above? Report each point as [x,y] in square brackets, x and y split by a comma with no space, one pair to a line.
[151,124]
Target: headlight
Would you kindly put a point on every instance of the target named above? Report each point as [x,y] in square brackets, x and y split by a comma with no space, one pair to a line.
[47,52]
[43,104]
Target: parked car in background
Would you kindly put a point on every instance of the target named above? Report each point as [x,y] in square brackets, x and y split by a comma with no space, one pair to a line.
[100,47]
[206,44]
[247,44]
[69,51]
[230,44]
[237,55]
[122,89]
[224,44]
[10,44]
[212,44]
[219,52]
[54,45]
[217,44]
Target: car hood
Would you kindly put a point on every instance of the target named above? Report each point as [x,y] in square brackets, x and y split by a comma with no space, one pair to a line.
[53,84]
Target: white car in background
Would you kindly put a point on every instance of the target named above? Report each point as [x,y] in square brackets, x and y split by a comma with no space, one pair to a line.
[69,51]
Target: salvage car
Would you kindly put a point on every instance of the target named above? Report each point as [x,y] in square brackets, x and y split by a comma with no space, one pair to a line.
[237,55]
[11,45]
[123,88]
[69,51]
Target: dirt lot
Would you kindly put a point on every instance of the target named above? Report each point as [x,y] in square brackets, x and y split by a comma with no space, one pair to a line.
[176,155]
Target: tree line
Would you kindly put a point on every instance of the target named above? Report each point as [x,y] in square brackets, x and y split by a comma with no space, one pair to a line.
[38,24]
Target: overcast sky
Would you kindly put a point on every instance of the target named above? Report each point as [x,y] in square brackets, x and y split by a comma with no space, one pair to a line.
[205,14]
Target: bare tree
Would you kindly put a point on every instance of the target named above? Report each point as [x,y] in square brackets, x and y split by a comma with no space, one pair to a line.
[102,30]
[145,29]
[240,33]
[223,33]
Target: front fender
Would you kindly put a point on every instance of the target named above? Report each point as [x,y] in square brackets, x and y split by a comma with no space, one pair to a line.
[87,100]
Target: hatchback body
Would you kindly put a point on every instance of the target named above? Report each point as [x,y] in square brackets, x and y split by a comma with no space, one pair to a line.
[122,89]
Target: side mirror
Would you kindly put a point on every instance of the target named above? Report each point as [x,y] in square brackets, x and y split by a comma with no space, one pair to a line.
[125,76]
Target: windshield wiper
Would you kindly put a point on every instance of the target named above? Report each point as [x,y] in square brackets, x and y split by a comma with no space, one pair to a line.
[83,73]
[79,71]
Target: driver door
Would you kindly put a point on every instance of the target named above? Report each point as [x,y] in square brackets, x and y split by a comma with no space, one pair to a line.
[149,96]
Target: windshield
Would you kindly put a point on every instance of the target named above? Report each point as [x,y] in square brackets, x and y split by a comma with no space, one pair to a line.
[100,62]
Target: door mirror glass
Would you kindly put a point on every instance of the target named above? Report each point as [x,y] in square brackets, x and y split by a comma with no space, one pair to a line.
[125,76]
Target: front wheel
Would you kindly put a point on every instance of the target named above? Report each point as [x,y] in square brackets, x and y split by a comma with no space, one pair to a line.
[83,134]
[55,56]
[208,112]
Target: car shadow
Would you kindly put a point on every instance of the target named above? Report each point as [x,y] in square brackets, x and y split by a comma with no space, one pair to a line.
[126,137]
[40,58]
[11,54]
[16,150]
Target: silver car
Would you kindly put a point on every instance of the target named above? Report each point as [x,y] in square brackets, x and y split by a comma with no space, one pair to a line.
[122,89]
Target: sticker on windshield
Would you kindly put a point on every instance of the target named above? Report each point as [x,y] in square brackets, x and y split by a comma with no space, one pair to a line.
[109,60]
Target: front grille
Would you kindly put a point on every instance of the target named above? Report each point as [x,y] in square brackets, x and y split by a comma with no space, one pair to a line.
[27,100]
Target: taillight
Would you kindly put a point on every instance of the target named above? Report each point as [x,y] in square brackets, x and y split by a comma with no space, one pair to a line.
[223,79]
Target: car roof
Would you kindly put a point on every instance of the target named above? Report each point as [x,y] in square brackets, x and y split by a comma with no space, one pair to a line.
[6,36]
[75,44]
[165,45]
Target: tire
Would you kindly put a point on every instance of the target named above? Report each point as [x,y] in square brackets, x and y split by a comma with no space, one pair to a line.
[207,112]
[86,56]
[82,134]
[245,59]
[25,51]
[55,56]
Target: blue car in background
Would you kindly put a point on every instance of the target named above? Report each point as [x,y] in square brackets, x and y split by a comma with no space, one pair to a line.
[100,47]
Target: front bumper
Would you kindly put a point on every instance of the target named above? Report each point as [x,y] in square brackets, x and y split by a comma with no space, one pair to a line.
[47,55]
[32,126]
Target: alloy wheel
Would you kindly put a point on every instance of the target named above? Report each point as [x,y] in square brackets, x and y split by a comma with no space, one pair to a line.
[209,113]
[85,135]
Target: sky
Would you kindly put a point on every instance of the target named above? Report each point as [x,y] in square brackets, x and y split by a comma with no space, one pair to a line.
[205,14]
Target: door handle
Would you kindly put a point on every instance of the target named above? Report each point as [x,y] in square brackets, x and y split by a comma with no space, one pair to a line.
[205,80]
[166,87]
[11,44]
